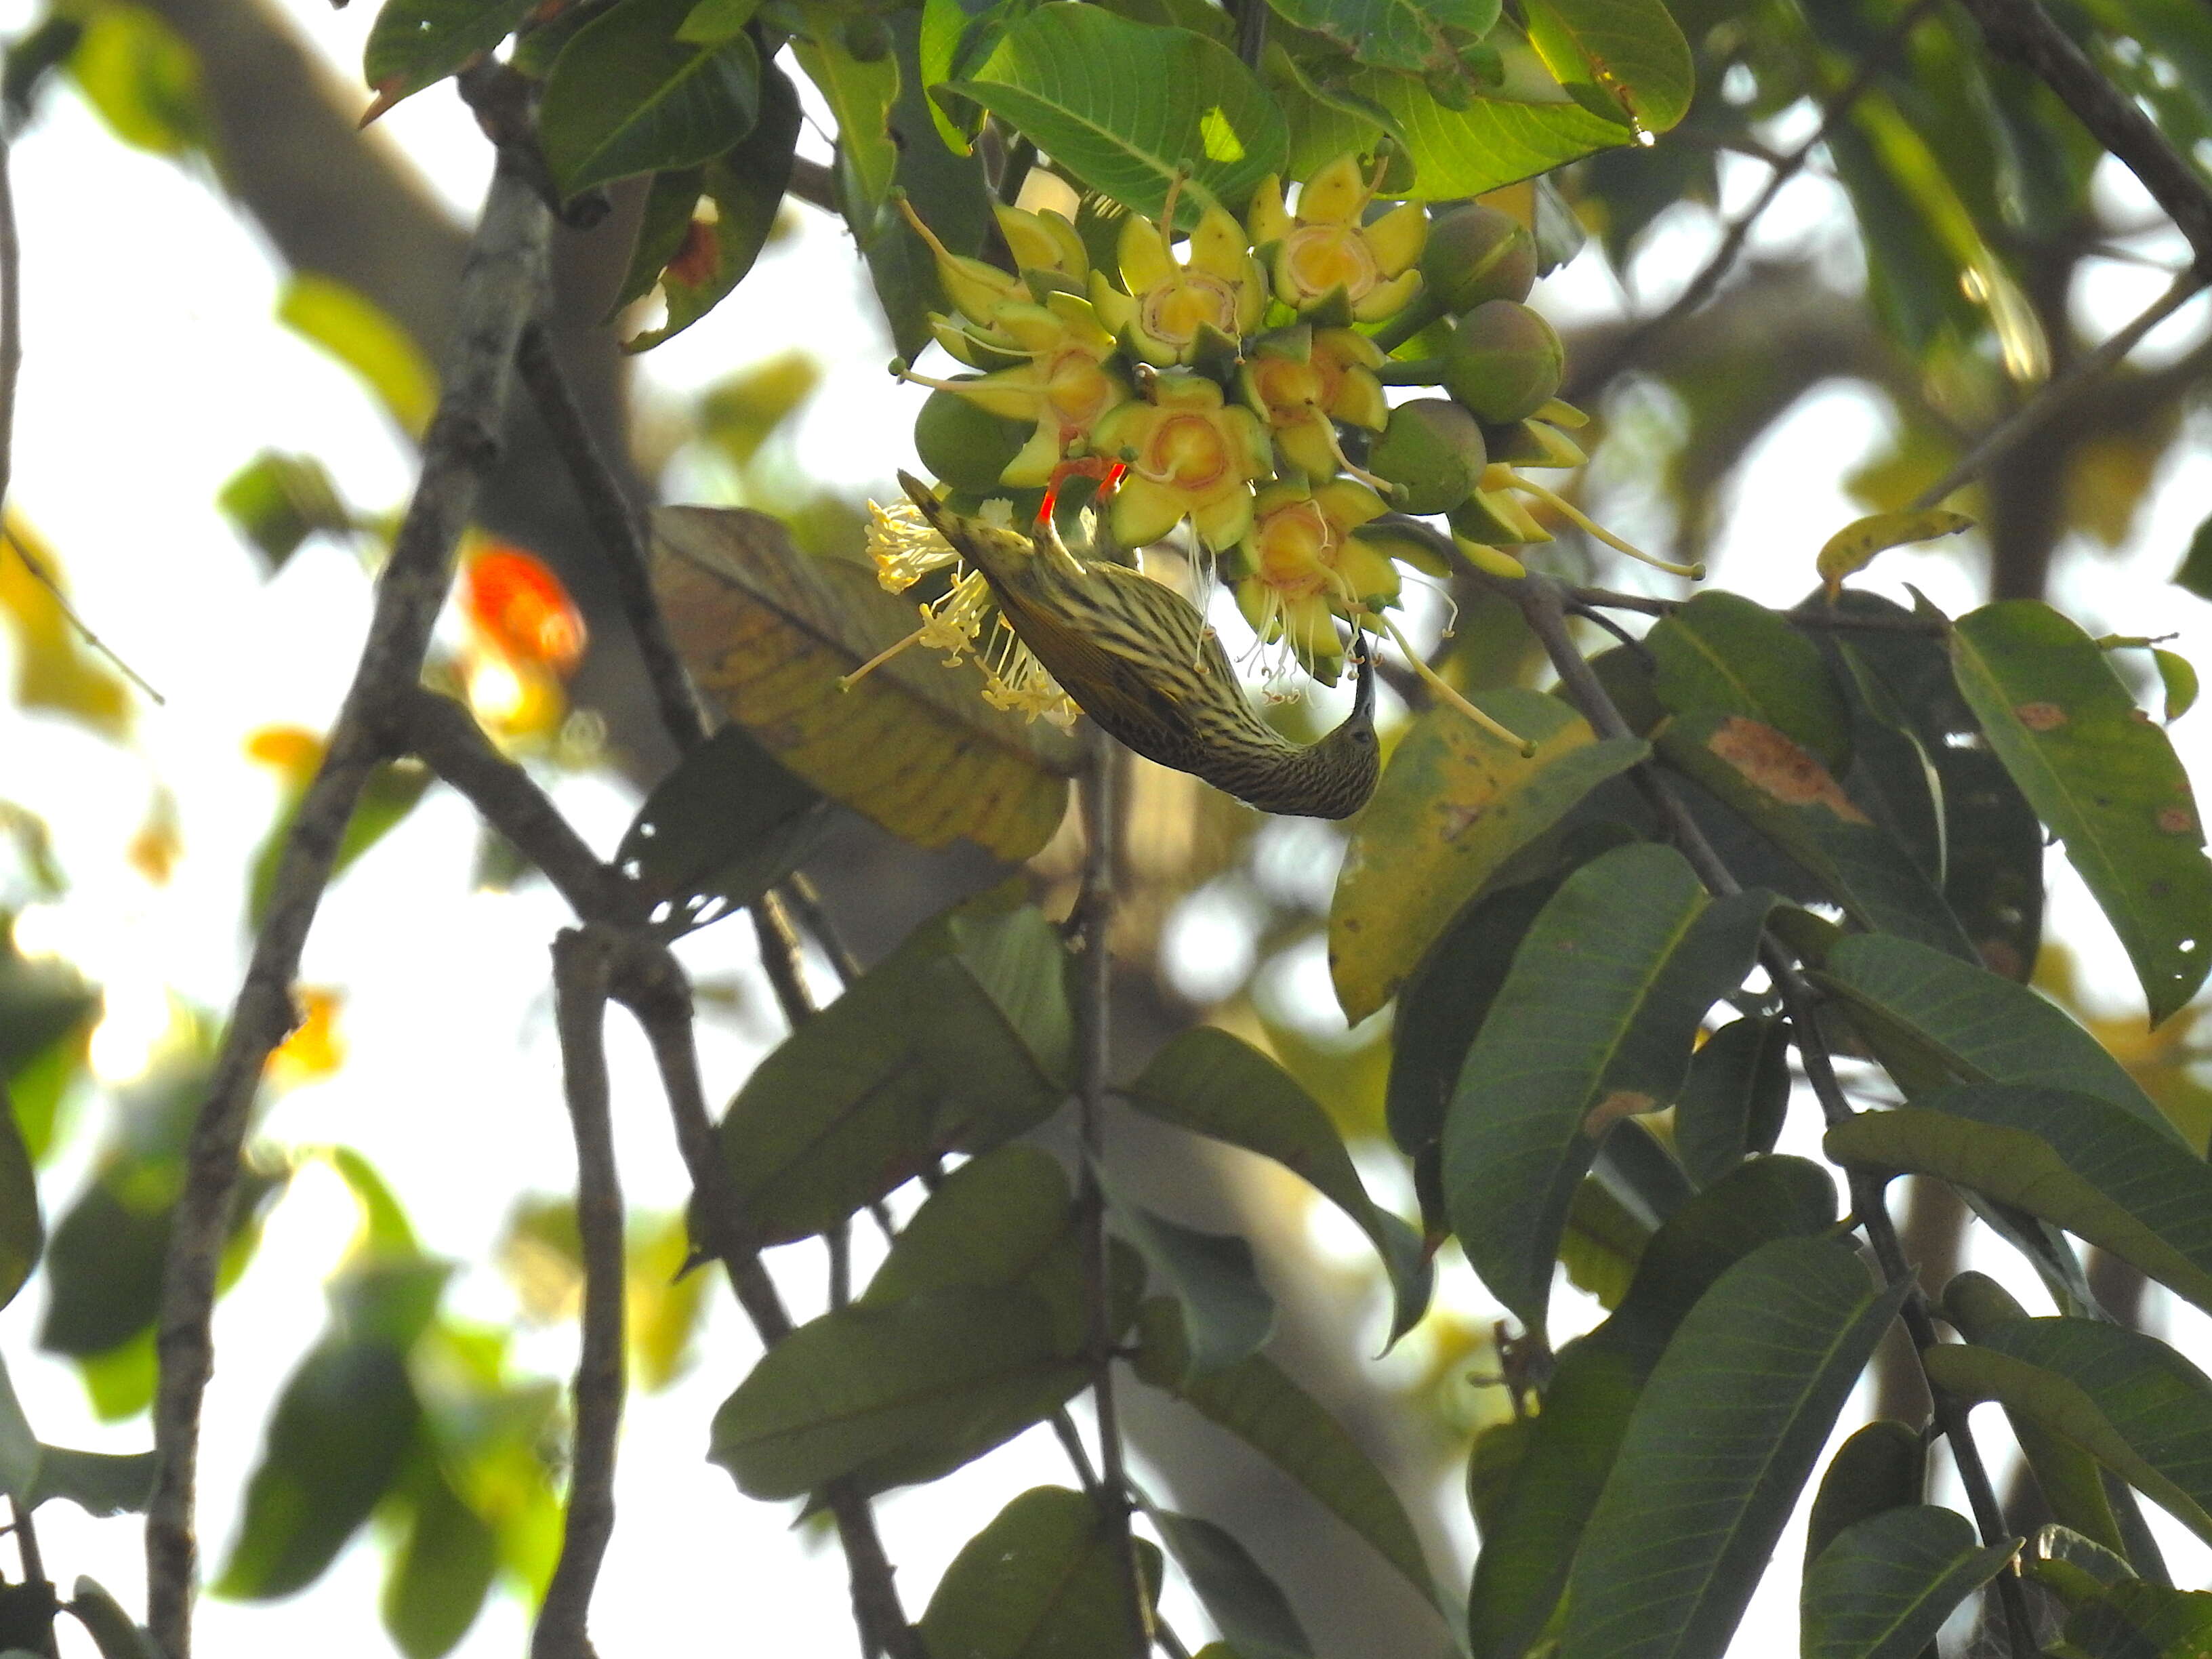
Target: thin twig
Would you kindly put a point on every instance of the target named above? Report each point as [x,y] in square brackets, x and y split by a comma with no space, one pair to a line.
[46,579]
[613,521]
[652,984]
[2037,410]
[804,901]
[2022,31]
[502,284]
[582,970]
[1093,919]
[1543,602]
[1701,287]
[779,955]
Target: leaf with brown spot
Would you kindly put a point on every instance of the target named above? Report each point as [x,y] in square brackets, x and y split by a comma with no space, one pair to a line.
[768,631]
[1453,803]
[2105,783]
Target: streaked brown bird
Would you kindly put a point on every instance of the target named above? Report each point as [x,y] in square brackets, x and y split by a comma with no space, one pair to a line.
[1139,659]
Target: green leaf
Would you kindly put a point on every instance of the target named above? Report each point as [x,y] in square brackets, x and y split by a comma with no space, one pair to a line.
[2177,676]
[719,830]
[1737,1097]
[1416,36]
[277,500]
[1595,1022]
[99,1483]
[1246,1606]
[1126,107]
[2105,778]
[343,1428]
[957,1040]
[23,1228]
[768,632]
[109,1627]
[1726,1431]
[1853,548]
[860,96]
[1529,1546]
[2077,1162]
[441,1573]
[1227,1314]
[1269,1413]
[1453,804]
[1882,1466]
[1946,1021]
[143,79]
[710,22]
[2128,1400]
[1723,654]
[350,328]
[387,798]
[416,43]
[1884,1588]
[628,95]
[1043,1578]
[1783,792]
[995,1220]
[1219,1086]
[2136,1620]
[743,187]
[2195,572]
[954,1371]
[1894,774]
[1602,1242]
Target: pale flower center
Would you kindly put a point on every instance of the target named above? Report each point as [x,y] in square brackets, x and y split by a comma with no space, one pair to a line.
[1295,542]
[1188,452]
[1322,258]
[1289,388]
[1078,391]
[1175,310]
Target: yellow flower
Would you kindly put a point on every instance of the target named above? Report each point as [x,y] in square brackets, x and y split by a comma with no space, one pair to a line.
[1326,250]
[1302,381]
[1190,456]
[1061,380]
[1173,310]
[1300,567]
[1047,249]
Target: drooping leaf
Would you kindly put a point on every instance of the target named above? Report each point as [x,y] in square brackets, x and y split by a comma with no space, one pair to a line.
[441,1572]
[957,1040]
[1126,107]
[110,1628]
[343,1429]
[1601,1243]
[1227,1314]
[2075,1161]
[1853,548]
[1415,36]
[352,328]
[1783,792]
[1723,654]
[1453,803]
[1937,1020]
[1734,1102]
[1044,1577]
[768,632]
[1219,1086]
[1722,1438]
[2104,777]
[1882,1466]
[1529,1546]
[2177,676]
[1247,1607]
[1263,1407]
[628,94]
[1894,774]
[1594,1024]
[1884,1586]
[2126,1398]
[721,829]
[417,43]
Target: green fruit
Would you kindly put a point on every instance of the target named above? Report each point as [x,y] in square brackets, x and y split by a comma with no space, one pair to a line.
[1433,451]
[1476,255]
[1505,362]
[966,447]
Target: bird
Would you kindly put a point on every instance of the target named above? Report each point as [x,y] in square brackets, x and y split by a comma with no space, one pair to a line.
[1140,660]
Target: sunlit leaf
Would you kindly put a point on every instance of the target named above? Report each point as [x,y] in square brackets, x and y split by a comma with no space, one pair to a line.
[1594,1024]
[277,500]
[1853,548]
[628,94]
[1722,1438]
[769,631]
[1412,35]
[1884,1586]
[22,1227]
[2104,777]
[441,1572]
[350,327]
[141,77]
[860,96]
[2177,676]
[1453,803]
[54,668]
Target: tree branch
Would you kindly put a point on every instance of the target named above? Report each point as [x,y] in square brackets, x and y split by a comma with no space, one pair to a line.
[583,962]
[2022,31]
[503,284]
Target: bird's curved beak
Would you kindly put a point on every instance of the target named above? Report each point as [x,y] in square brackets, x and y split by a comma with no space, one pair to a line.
[1362,690]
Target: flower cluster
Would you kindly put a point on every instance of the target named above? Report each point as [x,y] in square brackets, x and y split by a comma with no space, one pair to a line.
[1232,375]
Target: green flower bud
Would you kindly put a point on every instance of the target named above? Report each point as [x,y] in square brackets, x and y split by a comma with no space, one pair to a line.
[1476,255]
[966,447]
[1433,451]
[1505,362]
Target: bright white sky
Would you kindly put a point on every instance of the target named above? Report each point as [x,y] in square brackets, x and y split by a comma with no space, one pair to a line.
[153,371]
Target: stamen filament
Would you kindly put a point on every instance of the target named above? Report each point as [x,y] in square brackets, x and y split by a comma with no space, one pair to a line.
[846,682]
[1437,683]
[1576,516]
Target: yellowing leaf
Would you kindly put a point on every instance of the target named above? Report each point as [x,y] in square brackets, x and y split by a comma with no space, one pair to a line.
[768,632]
[315,1050]
[53,668]
[1853,547]
[360,335]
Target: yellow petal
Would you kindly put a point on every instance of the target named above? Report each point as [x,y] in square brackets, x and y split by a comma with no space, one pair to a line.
[1143,512]
[1335,195]
[1031,327]
[1012,394]
[1032,467]
[1371,573]
[1225,520]
[1348,503]
[1312,632]
[1141,254]
[1080,319]
[1248,437]
[1188,391]
[1398,237]
[1217,247]
[1125,427]
[1075,258]
[1306,445]
[1274,497]
[1269,222]
[1034,248]
[1346,345]
[1251,295]
[1388,299]
[1360,401]
[1115,309]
